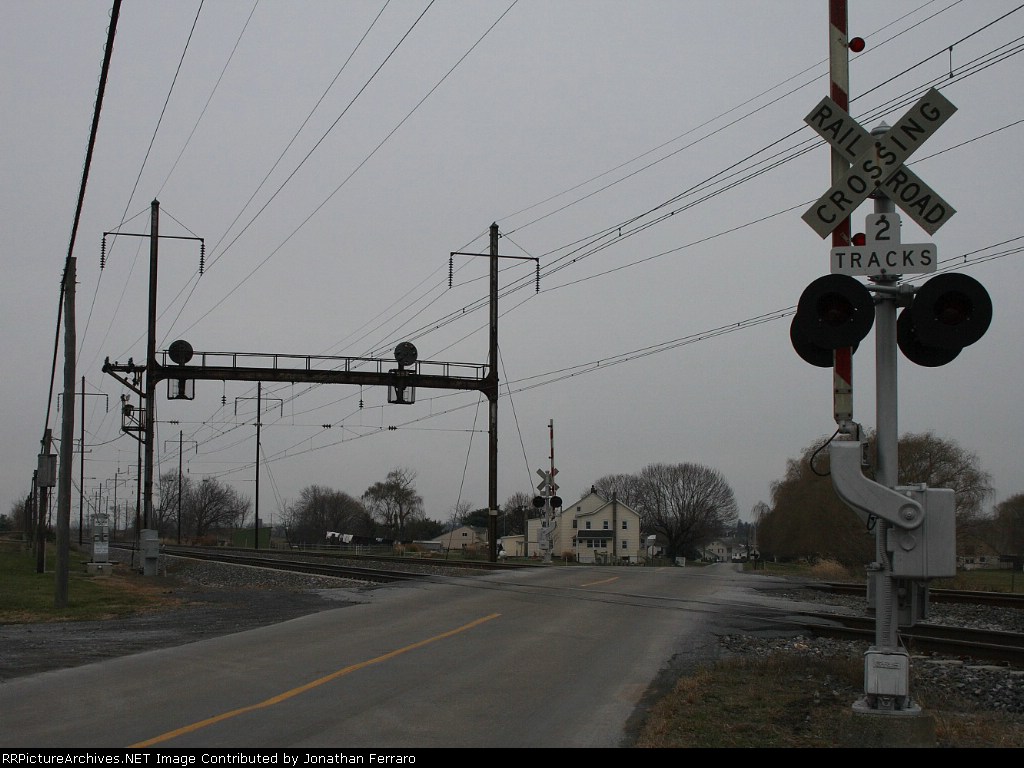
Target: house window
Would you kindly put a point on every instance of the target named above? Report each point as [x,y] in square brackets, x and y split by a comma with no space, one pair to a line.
[574,523]
[588,525]
[625,525]
[625,544]
[605,525]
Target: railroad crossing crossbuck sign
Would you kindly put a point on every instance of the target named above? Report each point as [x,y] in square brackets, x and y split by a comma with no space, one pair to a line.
[877,164]
[547,482]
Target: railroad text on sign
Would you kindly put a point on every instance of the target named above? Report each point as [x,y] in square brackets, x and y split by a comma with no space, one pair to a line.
[877,164]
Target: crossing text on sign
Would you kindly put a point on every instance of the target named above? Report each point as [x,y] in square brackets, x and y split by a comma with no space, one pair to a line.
[877,163]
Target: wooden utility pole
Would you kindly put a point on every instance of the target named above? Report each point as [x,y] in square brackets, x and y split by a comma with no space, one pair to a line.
[67,443]
[44,481]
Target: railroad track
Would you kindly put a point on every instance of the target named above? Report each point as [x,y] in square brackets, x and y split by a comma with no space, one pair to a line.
[957,642]
[996,599]
[340,557]
[318,565]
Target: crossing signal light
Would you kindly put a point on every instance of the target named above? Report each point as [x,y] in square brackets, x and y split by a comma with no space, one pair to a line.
[834,311]
[540,501]
[949,312]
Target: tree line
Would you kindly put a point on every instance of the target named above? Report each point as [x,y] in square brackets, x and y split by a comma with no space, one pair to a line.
[685,505]
[807,520]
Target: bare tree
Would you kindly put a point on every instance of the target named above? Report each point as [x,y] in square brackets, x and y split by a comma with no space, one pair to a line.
[629,489]
[211,505]
[460,512]
[1009,522]
[320,510]
[512,517]
[11,521]
[393,502]
[686,504]
[21,515]
[165,511]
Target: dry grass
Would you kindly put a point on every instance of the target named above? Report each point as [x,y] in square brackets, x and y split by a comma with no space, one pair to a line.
[831,570]
[29,596]
[786,701]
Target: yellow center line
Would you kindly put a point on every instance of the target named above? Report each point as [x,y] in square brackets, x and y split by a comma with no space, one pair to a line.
[603,581]
[281,697]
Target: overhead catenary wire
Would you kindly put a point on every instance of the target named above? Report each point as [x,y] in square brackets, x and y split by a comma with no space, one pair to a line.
[606,363]
[93,131]
[595,276]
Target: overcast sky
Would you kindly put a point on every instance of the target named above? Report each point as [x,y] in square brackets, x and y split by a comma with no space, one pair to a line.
[333,154]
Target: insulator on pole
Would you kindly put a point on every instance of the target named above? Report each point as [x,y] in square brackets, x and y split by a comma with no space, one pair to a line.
[103,252]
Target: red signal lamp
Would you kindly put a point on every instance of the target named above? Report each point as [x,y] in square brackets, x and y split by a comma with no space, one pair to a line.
[857,44]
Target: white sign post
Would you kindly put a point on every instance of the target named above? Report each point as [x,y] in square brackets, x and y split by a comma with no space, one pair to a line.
[547,487]
[877,164]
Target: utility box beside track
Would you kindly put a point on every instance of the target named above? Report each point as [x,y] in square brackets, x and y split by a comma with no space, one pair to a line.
[150,546]
[928,551]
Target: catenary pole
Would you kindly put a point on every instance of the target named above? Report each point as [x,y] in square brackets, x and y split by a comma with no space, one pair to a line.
[259,408]
[492,397]
[150,404]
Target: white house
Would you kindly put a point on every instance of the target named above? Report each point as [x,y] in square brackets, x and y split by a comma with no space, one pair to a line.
[591,530]
[465,537]
[719,551]
[512,546]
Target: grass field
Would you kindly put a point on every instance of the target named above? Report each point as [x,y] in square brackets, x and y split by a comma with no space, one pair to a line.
[983,580]
[29,596]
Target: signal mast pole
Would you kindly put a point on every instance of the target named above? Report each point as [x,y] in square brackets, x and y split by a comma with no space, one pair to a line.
[839,90]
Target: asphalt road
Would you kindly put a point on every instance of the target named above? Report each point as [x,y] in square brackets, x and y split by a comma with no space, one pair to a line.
[559,657]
